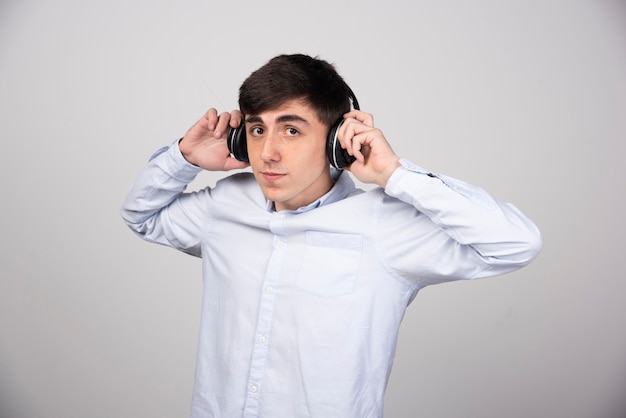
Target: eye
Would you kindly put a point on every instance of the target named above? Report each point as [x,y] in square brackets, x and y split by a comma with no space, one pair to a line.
[256,131]
[291,131]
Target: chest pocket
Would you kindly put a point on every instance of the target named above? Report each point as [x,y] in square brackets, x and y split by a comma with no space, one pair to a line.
[330,264]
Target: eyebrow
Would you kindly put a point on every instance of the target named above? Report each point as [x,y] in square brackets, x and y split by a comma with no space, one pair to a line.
[280,119]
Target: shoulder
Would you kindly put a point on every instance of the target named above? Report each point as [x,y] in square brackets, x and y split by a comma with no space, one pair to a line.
[372,203]
[241,187]
[241,179]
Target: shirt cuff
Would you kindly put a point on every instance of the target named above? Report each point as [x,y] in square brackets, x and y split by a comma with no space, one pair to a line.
[171,160]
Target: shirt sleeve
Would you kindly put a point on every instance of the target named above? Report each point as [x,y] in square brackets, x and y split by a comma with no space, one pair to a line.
[156,208]
[449,230]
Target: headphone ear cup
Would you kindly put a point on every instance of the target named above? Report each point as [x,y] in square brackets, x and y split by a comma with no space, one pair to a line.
[338,157]
[237,143]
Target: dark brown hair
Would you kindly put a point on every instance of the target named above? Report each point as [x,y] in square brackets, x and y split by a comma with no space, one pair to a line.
[297,76]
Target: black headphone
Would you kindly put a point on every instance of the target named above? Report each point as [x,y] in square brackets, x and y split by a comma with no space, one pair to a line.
[338,157]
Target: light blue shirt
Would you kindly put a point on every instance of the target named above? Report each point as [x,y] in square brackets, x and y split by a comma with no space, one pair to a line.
[301,309]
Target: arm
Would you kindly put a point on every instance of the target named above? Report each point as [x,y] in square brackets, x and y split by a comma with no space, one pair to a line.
[156,207]
[468,234]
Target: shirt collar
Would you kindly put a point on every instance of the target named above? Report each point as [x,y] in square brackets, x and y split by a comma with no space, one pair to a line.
[343,186]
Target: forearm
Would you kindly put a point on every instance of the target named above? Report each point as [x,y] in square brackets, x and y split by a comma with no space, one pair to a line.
[153,207]
[498,232]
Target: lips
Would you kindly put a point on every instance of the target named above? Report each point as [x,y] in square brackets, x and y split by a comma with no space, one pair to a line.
[271,176]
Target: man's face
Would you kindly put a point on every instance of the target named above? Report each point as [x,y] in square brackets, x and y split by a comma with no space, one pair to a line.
[287,153]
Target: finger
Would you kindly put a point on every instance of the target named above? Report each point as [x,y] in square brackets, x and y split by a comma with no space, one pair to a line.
[360,145]
[344,135]
[222,124]
[351,135]
[236,118]
[364,118]
[212,118]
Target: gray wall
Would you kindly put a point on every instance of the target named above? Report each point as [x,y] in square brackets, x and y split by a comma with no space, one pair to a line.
[524,98]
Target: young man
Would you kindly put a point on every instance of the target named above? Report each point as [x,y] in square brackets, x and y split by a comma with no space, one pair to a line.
[306,278]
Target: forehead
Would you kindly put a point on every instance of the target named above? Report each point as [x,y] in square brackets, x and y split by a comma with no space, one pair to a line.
[295,110]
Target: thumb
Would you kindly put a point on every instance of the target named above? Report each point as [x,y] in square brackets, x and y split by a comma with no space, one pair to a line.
[232,163]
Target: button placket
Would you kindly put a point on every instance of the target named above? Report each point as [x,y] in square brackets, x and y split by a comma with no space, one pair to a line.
[264,322]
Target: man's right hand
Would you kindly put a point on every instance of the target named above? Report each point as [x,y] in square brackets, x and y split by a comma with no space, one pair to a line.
[204,144]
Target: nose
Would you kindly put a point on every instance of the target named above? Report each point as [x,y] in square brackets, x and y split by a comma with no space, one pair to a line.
[270,149]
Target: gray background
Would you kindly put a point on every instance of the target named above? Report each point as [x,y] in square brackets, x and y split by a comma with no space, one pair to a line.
[524,98]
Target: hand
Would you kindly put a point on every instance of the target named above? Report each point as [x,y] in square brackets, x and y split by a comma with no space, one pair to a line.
[375,159]
[204,144]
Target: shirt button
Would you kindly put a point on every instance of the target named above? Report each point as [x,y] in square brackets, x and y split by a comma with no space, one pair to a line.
[280,244]
[262,339]
[269,289]
[253,388]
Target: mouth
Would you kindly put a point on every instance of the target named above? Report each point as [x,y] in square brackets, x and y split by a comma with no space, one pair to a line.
[271,177]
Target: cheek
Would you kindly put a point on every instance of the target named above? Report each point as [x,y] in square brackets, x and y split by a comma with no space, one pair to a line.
[317,154]
[254,155]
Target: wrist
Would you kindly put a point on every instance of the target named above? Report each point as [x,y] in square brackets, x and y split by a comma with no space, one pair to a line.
[186,155]
[386,174]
